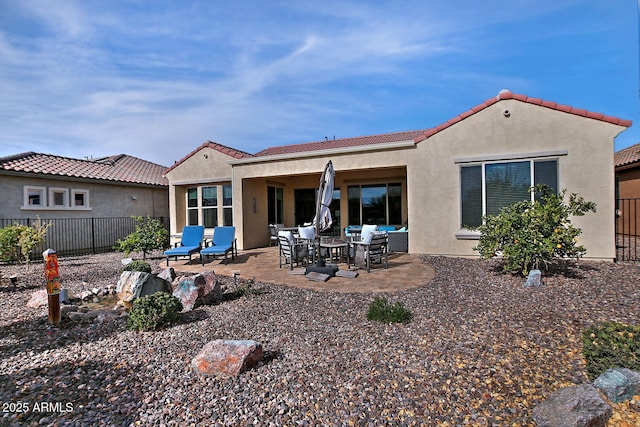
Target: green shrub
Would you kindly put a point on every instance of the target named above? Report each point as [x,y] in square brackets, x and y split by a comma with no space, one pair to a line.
[155,311]
[381,311]
[18,241]
[150,234]
[611,345]
[534,234]
[138,265]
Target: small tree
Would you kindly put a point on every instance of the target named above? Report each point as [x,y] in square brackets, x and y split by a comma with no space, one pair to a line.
[534,234]
[150,234]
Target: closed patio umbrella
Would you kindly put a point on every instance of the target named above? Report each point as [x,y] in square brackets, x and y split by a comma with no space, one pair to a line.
[323,220]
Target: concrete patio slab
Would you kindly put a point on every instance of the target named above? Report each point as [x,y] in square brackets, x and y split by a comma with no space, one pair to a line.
[405,272]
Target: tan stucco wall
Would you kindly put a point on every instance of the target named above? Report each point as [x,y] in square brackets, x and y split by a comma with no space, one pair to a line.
[204,168]
[587,169]
[105,199]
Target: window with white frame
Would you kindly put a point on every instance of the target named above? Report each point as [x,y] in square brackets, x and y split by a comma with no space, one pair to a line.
[227,205]
[192,206]
[58,197]
[34,197]
[54,198]
[79,199]
[206,207]
[487,187]
[210,207]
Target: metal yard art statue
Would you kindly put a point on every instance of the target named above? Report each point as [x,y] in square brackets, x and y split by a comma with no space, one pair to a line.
[53,284]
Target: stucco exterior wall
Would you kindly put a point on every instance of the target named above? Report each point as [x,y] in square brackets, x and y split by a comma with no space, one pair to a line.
[586,169]
[205,167]
[105,199]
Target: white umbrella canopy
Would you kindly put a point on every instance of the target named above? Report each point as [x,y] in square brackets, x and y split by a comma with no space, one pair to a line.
[323,219]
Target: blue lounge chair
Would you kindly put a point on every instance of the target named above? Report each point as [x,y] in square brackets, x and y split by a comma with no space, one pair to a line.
[224,241]
[190,244]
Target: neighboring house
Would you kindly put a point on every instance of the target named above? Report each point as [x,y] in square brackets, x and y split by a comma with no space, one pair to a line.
[439,180]
[35,184]
[627,167]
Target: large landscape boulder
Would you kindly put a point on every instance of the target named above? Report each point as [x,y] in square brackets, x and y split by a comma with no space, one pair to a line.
[202,288]
[227,357]
[187,293]
[575,406]
[619,384]
[209,290]
[38,299]
[136,284]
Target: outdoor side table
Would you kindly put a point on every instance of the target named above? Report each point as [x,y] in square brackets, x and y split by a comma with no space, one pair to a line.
[337,249]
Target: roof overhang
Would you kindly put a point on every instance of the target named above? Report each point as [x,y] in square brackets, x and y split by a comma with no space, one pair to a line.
[325,153]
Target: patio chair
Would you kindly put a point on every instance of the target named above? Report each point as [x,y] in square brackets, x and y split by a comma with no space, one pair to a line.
[190,243]
[292,251]
[370,250]
[273,234]
[223,242]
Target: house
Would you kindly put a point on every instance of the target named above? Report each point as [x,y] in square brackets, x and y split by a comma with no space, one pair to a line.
[89,204]
[45,185]
[627,172]
[439,181]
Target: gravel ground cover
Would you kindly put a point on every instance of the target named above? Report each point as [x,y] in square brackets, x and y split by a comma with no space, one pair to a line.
[481,350]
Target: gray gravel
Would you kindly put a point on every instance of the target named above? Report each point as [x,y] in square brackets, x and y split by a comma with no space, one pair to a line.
[480,350]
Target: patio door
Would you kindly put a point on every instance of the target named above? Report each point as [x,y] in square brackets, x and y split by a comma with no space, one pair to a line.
[275,201]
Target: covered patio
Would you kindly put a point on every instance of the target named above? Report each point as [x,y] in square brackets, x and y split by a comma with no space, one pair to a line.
[405,271]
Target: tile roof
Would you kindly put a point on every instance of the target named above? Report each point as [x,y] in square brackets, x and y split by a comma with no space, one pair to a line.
[231,152]
[627,156]
[341,143]
[506,94]
[415,135]
[118,168]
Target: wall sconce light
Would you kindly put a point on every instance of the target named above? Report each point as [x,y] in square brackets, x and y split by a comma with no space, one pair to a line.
[254,204]
[134,198]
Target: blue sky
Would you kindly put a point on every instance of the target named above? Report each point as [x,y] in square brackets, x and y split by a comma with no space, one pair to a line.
[155,79]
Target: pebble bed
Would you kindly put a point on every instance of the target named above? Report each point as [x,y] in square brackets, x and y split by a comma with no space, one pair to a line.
[481,349]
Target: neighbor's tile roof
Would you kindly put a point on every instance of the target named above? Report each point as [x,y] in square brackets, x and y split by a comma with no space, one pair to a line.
[627,156]
[118,168]
[505,94]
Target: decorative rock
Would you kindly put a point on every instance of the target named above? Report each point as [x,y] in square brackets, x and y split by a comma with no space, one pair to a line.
[85,295]
[575,406]
[129,285]
[126,261]
[154,284]
[66,309]
[209,289]
[619,384]
[534,279]
[137,284]
[38,299]
[168,274]
[187,293]
[79,316]
[227,357]
[95,291]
